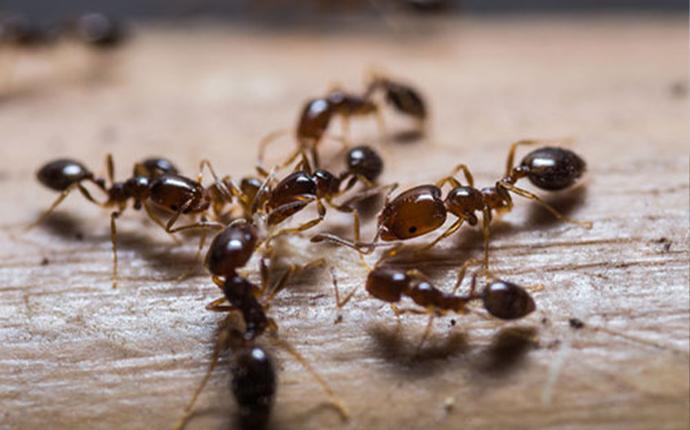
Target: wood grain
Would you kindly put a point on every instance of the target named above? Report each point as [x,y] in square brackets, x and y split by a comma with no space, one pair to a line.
[77,354]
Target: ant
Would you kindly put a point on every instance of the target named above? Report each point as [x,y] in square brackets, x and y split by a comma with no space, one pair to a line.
[421,209]
[154,181]
[229,251]
[304,186]
[501,299]
[402,97]
[315,118]
[97,30]
[17,31]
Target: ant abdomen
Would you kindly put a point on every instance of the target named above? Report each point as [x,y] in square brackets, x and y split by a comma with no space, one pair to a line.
[553,168]
[231,249]
[61,174]
[507,301]
[406,100]
[254,386]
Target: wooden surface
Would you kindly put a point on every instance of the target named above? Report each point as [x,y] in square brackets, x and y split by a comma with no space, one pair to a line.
[77,354]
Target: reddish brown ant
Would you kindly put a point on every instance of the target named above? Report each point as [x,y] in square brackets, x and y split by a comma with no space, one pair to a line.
[501,299]
[303,187]
[315,118]
[154,182]
[420,210]
[229,251]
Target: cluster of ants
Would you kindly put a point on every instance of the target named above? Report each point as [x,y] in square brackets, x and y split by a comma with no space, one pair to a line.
[251,214]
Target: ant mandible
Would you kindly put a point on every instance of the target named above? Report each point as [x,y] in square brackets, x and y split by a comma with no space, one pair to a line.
[420,210]
[501,299]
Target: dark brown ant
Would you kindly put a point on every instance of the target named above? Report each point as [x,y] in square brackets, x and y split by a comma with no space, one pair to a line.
[18,31]
[98,30]
[402,97]
[501,299]
[315,119]
[303,187]
[420,210]
[154,182]
[229,251]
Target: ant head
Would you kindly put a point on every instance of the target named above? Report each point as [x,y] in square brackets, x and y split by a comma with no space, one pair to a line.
[231,249]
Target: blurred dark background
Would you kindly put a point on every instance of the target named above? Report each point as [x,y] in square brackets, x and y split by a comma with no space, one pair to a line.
[296,10]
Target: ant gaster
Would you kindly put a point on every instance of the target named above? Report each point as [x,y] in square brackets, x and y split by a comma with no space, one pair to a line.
[402,97]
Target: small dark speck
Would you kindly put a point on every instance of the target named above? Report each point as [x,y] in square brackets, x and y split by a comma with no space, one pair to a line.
[545,321]
[452,322]
[664,242]
[45,262]
[576,323]
[79,236]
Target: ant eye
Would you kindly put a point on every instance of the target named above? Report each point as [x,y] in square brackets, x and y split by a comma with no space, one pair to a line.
[412,229]
[173,207]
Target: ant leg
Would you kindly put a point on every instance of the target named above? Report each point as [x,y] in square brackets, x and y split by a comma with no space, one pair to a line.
[218,281]
[338,302]
[222,187]
[197,256]
[203,224]
[218,305]
[461,275]
[449,231]
[110,168]
[158,221]
[526,194]
[113,241]
[427,332]
[363,195]
[381,124]
[269,138]
[459,168]
[346,141]
[486,232]
[514,146]
[52,207]
[291,271]
[335,401]
[306,226]
[220,345]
